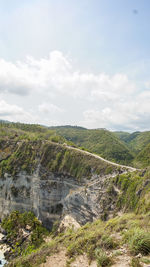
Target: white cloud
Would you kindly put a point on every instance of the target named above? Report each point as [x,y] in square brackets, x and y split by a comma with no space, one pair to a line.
[56,74]
[22,77]
[94,100]
[49,108]
[131,115]
[6,109]
[14,113]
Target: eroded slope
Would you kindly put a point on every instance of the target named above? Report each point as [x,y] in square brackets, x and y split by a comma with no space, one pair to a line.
[53,180]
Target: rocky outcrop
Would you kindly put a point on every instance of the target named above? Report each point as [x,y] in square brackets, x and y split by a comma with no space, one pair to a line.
[53,181]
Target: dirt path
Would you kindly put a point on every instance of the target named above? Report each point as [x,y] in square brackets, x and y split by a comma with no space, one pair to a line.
[131,169]
[60,260]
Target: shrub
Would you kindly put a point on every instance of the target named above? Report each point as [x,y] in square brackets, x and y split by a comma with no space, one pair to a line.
[15,224]
[135,262]
[102,258]
[107,242]
[139,241]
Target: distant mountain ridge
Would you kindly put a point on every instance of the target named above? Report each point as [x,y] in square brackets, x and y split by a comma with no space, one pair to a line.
[139,144]
[120,147]
[99,141]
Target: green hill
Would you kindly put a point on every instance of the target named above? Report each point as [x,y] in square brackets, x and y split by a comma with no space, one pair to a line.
[22,131]
[121,147]
[140,141]
[143,157]
[127,137]
[135,141]
[123,136]
[100,141]
[139,145]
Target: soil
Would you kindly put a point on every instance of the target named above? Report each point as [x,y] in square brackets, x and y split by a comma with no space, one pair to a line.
[60,260]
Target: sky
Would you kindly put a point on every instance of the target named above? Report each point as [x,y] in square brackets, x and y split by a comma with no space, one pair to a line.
[76,62]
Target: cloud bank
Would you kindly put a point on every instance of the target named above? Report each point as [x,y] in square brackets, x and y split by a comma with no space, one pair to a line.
[66,95]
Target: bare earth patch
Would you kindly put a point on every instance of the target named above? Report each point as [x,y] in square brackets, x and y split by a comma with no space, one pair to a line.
[60,260]
[122,261]
[82,261]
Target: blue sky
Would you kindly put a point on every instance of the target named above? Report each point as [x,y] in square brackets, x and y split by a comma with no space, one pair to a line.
[95,30]
[83,62]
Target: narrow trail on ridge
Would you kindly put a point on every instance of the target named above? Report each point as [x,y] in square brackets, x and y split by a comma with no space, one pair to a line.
[129,168]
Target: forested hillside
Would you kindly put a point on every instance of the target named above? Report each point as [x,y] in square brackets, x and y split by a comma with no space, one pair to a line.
[139,145]
[120,147]
[100,141]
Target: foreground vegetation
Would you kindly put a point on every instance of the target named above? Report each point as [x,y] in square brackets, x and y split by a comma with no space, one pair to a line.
[104,241]
[24,233]
[101,241]
[134,191]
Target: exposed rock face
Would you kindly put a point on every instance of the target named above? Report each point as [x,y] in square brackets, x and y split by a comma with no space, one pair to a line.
[54,194]
[91,201]
[45,197]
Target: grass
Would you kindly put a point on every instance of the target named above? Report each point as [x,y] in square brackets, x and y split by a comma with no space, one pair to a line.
[102,258]
[98,240]
[135,262]
[134,191]
[138,240]
[145,260]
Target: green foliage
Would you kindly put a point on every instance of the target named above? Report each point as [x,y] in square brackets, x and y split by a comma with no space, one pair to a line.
[143,157]
[30,132]
[102,258]
[100,141]
[123,136]
[97,240]
[139,241]
[139,140]
[129,184]
[119,147]
[57,139]
[24,145]
[139,144]
[107,242]
[88,239]
[134,191]
[145,260]
[58,158]
[16,224]
[135,262]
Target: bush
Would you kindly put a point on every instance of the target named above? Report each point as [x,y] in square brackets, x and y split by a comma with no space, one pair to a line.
[102,258]
[135,263]
[107,242]
[139,241]
[15,224]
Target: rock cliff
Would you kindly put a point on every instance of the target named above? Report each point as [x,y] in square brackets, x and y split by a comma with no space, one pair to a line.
[53,180]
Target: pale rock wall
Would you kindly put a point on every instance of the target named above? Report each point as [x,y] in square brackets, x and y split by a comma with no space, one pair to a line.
[53,195]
